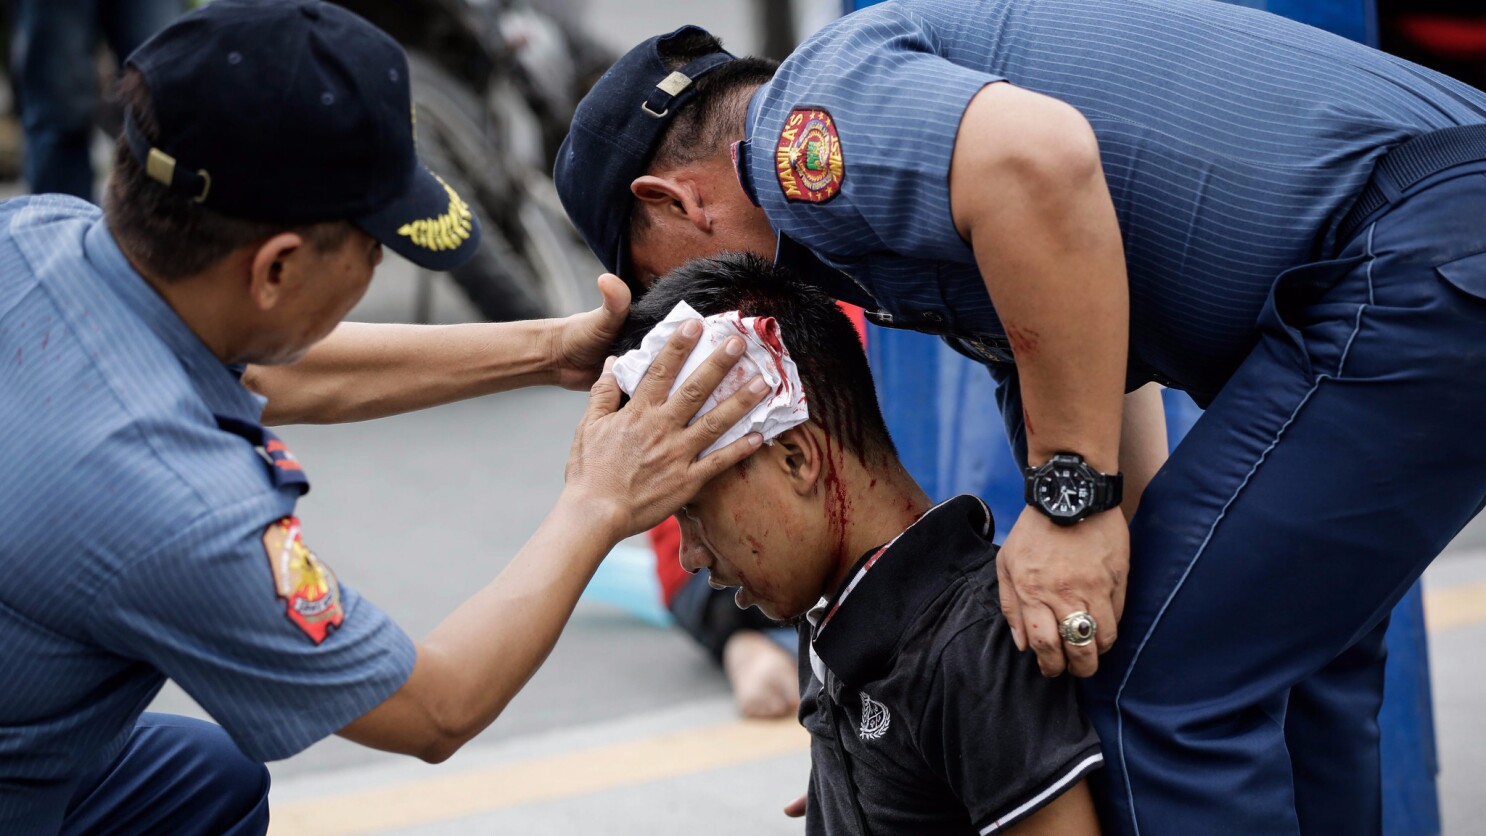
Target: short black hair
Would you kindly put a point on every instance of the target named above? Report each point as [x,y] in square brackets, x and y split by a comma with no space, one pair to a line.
[819,337]
[172,235]
[716,111]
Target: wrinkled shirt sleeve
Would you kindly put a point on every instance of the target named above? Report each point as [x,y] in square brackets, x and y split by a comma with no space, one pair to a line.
[204,609]
[896,106]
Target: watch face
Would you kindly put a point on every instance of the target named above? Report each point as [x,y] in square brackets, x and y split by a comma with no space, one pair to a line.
[1064,491]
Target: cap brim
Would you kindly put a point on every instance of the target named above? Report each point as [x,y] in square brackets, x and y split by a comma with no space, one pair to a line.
[429,225]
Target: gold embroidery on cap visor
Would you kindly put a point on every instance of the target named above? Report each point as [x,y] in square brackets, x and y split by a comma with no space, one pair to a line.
[445,232]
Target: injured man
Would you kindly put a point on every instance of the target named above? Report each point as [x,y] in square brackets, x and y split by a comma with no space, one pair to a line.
[924,717]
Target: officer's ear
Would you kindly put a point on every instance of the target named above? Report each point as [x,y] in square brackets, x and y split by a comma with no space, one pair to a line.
[274,269]
[670,197]
[800,453]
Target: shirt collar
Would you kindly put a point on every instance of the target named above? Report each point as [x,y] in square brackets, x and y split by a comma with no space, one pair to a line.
[857,636]
[219,384]
[741,149]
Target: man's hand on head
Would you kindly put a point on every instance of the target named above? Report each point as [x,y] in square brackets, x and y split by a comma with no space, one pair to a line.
[635,466]
[581,342]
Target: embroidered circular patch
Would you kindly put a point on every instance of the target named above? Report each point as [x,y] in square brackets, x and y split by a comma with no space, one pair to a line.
[808,156]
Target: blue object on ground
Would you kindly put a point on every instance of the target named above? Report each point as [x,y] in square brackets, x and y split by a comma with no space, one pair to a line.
[626,579]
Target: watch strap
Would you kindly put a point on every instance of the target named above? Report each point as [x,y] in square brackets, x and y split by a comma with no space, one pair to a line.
[1109,490]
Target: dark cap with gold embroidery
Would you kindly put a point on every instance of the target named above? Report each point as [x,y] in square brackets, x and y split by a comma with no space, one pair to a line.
[616,130]
[295,112]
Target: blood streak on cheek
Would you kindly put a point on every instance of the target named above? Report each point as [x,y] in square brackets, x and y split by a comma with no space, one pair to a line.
[758,592]
[754,544]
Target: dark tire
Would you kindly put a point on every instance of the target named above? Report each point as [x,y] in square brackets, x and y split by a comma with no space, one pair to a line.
[452,143]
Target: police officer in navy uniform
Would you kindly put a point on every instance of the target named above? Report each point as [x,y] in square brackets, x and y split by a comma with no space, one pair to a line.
[1091,196]
[147,521]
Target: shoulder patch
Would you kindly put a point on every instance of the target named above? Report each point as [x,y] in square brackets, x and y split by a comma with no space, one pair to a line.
[311,593]
[808,158]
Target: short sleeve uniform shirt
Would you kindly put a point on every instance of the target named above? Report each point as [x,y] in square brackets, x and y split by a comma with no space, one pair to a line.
[1232,140]
[924,717]
[147,531]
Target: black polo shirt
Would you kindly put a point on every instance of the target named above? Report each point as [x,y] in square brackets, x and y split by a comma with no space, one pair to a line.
[923,716]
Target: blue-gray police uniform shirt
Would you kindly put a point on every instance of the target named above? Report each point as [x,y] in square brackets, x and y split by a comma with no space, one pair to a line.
[135,532]
[1232,140]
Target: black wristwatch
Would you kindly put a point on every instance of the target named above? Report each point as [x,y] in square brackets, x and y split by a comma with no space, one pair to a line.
[1066,489]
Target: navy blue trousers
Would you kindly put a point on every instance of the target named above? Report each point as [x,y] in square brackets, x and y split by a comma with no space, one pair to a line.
[1343,455]
[175,775]
[54,67]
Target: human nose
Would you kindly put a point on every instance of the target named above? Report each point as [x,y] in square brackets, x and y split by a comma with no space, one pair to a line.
[694,555]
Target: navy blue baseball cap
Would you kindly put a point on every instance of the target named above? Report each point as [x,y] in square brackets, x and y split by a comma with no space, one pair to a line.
[616,130]
[295,112]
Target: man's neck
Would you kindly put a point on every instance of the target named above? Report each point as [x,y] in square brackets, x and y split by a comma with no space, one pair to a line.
[875,499]
[195,299]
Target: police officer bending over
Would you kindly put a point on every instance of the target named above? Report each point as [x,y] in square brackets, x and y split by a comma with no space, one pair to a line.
[147,525]
[1089,196]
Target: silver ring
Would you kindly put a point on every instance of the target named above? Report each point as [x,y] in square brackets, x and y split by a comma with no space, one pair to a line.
[1078,628]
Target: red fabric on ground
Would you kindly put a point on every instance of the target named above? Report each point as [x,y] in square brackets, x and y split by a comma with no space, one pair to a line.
[665,539]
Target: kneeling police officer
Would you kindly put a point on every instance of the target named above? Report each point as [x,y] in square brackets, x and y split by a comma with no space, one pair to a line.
[148,527]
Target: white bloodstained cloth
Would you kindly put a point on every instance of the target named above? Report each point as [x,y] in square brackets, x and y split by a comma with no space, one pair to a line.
[764,354]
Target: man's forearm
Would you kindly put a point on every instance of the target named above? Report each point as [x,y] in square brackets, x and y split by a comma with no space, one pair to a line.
[1029,195]
[493,644]
[363,371]
[1028,192]
[478,658]
[628,469]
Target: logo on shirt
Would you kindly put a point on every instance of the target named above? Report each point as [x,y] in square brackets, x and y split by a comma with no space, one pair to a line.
[875,719]
[808,156]
[309,589]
